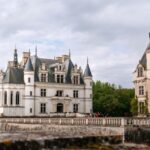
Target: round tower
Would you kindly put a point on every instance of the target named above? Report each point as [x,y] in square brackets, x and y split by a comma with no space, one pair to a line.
[29,89]
[88,81]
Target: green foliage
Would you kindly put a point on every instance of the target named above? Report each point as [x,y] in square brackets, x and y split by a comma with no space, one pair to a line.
[111,100]
[134,106]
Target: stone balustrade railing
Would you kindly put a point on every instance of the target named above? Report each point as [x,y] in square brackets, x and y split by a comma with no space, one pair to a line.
[79,121]
[108,121]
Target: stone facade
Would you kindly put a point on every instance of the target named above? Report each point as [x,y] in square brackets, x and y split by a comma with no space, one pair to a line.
[141,82]
[38,87]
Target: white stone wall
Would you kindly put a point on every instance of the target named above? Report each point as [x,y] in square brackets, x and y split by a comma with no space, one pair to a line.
[33,102]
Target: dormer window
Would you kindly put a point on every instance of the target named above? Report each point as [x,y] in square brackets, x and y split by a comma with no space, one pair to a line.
[43,77]
[60,78]
[140,72]
[76,79]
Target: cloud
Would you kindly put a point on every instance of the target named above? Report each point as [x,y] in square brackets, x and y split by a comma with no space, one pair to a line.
[113,34]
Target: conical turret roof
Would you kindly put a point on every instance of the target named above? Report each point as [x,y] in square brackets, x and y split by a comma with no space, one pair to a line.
[87,72]
[29,66]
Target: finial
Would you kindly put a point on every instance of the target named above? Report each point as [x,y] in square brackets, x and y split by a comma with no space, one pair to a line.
[69,54]
[36,50]
[87,61]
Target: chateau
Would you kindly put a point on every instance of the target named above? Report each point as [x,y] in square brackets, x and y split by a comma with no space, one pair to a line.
[40,87]
[142,82]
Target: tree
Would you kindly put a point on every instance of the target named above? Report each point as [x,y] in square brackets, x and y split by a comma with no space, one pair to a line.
[134,106]
[112,100]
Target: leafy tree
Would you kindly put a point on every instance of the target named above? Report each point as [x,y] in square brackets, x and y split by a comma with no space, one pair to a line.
[134,106]
[111,100]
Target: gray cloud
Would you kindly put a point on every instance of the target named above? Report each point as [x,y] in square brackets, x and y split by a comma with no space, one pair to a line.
[113,34]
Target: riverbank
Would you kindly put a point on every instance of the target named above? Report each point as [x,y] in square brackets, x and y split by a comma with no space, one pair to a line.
[76,143]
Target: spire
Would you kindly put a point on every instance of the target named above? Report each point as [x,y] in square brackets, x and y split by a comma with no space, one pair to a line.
[87,72]
[28,66]
[15,57]
[69,54]
[36,50]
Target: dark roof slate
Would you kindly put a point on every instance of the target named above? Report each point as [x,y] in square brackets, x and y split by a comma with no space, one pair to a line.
[87,72]
[28,66]
[14,75]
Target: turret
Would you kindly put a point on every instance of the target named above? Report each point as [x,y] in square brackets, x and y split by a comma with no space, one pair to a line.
[88,81]
[29,88]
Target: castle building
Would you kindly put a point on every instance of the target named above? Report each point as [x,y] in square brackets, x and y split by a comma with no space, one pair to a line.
[142,82]
[40,87]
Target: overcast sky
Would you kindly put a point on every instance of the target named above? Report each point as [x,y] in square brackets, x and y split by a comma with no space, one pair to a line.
[113,34]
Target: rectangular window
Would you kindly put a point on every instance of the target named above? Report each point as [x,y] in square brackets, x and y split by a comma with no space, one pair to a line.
[43,77]
[62,79]
[29,80]
[11,98]
[141,90]
[91,96]
[43,108]
[75,80]
[75,94]
[30,93]
[43,92]
[59,93]
[141,107]
[75,108]
[58,78]
[30,110]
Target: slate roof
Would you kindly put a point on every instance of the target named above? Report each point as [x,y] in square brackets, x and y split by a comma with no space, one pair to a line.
[87,72]
[14,75]
[28,66]
[143,60]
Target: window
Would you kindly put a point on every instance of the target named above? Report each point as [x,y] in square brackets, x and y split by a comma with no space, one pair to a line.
[58,78]
[91,83]
[17,98]
[5,98]
[29,80]
[141,107]
[43,92]
[59,93]
[62,79]
[75,108]
[30,110]
[75,80]
[141,90]
[30,93]
[11,98]
[43,108]
[91,96]
[43,77]
[75,94]
[140,72]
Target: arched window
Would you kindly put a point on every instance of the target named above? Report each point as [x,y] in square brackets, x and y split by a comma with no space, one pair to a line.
[140,72]
[11,98]
[17,98]
[5,98]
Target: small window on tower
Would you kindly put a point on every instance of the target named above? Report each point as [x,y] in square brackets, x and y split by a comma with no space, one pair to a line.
[29,80]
